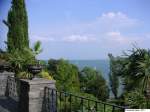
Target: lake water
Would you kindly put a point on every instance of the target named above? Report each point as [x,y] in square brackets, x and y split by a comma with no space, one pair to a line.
[99,65]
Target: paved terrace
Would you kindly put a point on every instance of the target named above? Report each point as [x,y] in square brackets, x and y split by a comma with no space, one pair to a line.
[8,104]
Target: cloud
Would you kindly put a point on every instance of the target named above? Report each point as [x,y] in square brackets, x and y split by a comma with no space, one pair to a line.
[118,17]
[89,31]
[117,37]
[42,38]
[113,34]
[79,38]
[116,21]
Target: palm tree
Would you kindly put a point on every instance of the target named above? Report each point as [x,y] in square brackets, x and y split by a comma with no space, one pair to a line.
[139,68]
[144,66]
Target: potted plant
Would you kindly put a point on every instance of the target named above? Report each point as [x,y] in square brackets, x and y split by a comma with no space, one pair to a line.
[35,67]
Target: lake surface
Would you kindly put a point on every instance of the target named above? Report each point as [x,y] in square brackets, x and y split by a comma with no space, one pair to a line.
[99,65]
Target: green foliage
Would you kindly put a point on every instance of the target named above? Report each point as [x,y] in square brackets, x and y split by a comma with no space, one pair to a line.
[113,76]
[3,55]
[24,75]
[17,24]
[80,104]
[20,59]
[65,74]
[76,103]
[46,75]
[136,100]
[134,69]
[92,82]
[37,48]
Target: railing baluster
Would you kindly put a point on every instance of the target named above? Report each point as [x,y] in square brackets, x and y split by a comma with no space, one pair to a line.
[48,99]
[52,107]
[56,102]
[70,102]
[88,105]
[96,106]
[65,103]
[113,110]
[82,104]
[104,107]
[60,101]
[45,108]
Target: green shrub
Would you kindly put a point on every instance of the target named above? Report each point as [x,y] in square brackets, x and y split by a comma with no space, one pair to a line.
[45,75]
[135,99]
[24,75]
[92,82]
[65,74]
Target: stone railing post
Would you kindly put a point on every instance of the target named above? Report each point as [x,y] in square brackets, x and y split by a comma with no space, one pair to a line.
[32,94]
[3,82]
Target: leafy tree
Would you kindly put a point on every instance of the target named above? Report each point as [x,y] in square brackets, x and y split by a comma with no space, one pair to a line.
[136,69]
[92,82]
[113,76]
[65,74]
[17,23]
[135,72]
[21,59]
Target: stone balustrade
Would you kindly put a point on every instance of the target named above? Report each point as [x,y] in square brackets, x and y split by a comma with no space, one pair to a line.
[28,93]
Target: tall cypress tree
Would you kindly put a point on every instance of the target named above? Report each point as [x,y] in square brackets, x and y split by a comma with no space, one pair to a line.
[17,22]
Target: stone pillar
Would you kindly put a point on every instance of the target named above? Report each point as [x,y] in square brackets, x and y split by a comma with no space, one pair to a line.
[3,82]
[32,94]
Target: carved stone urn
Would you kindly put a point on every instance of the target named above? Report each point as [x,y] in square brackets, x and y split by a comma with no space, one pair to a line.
[34,69]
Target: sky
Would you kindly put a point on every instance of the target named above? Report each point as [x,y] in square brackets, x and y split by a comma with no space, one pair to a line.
[84,29]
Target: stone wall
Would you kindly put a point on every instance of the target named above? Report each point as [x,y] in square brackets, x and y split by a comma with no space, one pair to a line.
[3,82]
[32,94]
